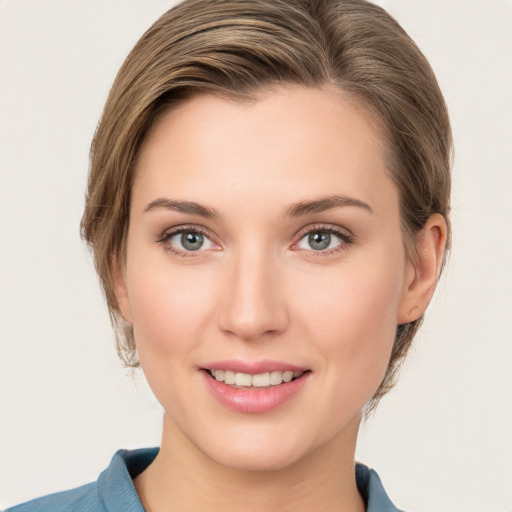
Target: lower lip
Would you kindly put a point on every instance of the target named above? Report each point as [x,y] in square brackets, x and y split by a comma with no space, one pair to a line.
[255,400]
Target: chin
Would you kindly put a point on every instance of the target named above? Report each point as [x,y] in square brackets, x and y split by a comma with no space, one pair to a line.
[259,451]
[258,460]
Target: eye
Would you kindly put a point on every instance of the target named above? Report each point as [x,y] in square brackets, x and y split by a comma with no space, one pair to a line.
[187,240]
[324,239]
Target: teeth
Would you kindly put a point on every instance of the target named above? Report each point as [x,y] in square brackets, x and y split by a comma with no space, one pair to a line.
[261,380]
[243,379]
[276,378]
[287,376]
[229,377]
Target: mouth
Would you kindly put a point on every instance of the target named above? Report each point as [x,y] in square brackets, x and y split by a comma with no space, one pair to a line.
[239,380]
[254,386]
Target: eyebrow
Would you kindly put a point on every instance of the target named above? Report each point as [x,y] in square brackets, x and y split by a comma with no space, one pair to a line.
[325,203]
[183,206]
[295,210]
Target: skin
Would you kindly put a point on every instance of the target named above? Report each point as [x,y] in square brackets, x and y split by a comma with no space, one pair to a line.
[257,290]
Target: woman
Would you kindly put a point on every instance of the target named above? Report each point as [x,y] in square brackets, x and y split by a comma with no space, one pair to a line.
[268,212]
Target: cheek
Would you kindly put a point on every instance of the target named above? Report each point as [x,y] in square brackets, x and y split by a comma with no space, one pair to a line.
[352,303]
[169,307]
[352,319]
[170,312]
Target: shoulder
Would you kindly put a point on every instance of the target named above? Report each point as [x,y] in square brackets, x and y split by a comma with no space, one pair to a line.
[112,492]
[373,492]
[85,498]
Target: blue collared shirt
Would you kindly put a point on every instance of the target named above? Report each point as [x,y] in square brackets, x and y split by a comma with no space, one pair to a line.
[114,490]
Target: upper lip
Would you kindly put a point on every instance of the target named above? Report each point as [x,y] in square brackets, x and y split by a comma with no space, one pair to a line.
[253,367]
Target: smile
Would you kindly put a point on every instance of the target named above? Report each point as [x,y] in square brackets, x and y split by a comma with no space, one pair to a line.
[260,380]
[254,388]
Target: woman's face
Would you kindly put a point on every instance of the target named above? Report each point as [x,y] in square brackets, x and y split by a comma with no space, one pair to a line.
[264,240]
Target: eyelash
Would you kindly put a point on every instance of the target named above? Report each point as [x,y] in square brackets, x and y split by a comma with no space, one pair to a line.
[167,235]
[346,238]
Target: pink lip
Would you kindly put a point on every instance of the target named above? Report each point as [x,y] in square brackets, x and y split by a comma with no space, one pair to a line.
[254,400]
[253,367]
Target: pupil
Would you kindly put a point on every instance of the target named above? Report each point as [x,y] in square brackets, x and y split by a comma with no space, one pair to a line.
[319,240]
[192,241]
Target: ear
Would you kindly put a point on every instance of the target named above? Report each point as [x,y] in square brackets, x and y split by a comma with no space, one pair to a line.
[121,290]
[423,273]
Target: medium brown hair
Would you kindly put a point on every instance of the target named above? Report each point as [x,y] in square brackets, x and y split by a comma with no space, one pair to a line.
[234,48]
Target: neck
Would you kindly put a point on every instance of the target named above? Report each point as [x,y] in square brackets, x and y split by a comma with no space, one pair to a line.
[184,478]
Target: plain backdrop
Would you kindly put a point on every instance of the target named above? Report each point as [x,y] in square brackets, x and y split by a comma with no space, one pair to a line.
[441,441]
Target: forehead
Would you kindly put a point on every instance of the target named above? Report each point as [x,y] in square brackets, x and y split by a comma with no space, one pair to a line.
[287,142]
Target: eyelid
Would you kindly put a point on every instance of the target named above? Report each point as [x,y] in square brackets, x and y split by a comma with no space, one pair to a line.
[346,236]
[168,232]
[331,228]
[175,230]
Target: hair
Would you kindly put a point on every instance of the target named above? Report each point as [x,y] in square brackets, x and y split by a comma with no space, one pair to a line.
[236,48]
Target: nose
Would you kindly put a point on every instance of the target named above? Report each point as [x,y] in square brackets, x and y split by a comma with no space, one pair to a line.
[253,304]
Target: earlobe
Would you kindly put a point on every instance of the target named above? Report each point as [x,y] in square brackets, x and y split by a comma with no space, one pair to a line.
[121,291]
[423,273]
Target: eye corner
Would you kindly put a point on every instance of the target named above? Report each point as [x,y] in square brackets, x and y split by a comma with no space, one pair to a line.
[173,241]
[326,243]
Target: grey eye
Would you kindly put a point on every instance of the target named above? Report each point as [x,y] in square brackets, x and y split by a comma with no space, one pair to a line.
[190,241]
[319,240]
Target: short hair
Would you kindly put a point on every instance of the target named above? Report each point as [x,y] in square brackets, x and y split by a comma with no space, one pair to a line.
[235,48]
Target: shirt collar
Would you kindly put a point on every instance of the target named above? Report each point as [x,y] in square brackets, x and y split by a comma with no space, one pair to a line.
[371,489]
[116,483]
[119,495]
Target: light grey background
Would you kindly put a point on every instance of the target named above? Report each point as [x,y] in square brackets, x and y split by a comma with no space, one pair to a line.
[441,441]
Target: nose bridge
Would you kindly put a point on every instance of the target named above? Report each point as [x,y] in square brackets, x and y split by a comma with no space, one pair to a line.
[254,303]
